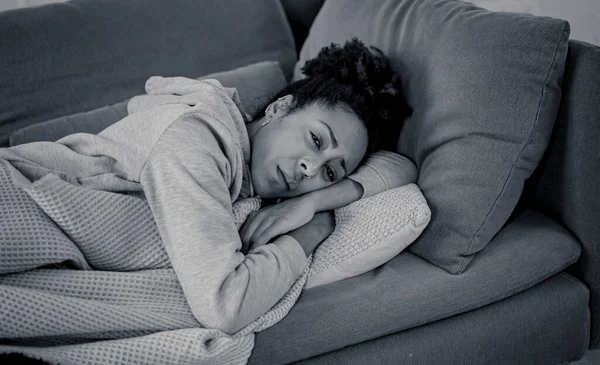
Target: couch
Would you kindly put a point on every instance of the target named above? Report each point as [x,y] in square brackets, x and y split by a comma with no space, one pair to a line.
[527,294]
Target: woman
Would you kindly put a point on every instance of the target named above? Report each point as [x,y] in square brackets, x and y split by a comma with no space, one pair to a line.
[187,149]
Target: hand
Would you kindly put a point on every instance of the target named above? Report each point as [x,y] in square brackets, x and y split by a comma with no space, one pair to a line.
[310,235]
[270,222]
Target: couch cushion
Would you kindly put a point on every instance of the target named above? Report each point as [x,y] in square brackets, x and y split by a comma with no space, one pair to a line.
[485,89]
[256,84]
[66,58]
[545,325]
[408,291]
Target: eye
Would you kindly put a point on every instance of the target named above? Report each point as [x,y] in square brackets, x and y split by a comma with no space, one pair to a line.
[316,140]
[330,173]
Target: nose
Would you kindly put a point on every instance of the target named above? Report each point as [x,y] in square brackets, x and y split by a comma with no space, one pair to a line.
[309,166]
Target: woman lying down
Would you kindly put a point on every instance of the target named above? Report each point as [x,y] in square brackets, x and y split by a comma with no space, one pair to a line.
[189,150]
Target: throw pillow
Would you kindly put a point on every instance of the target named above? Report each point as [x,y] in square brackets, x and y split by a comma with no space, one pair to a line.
[369,233]
[485,89]
[256,84]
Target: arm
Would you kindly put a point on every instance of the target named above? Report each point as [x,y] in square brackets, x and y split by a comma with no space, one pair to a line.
[314,232]
[382,171]
[186,180]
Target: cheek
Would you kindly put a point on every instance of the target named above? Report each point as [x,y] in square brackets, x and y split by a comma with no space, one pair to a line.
[290,137]
[262,152]
[258,167]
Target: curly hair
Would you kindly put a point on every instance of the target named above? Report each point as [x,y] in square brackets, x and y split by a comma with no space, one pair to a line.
[359,78]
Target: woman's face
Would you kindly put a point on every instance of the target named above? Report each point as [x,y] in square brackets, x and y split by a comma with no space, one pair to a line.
[305,150]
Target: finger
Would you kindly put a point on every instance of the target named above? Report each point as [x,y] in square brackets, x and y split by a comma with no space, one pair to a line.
[252,222]
[244,232]
[270,232]
[258,232]
[245,248]
[280,226]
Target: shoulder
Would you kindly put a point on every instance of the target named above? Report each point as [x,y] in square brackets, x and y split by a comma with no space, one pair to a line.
[190,137]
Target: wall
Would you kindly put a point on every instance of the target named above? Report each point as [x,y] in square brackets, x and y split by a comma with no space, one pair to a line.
[13,4]
[583,15]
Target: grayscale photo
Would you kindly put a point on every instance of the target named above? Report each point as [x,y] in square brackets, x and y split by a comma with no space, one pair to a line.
[306,182]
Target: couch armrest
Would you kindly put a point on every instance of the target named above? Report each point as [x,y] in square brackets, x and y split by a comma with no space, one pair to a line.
[565,185]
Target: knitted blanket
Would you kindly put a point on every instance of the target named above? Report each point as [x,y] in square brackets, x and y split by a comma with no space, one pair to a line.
[85,279]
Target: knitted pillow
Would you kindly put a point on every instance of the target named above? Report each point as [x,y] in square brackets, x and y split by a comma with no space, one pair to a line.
[368,233]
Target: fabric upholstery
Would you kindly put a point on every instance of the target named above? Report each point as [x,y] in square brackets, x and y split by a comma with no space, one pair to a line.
[93,121]
[485,89]
[544,325]
[66,58]
[407,292]
[301,14]
[566,183]
[255,83]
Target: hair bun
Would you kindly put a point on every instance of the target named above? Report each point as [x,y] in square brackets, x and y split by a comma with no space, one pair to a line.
[364,68]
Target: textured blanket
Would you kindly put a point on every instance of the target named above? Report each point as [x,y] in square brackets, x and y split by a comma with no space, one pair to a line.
[84,279]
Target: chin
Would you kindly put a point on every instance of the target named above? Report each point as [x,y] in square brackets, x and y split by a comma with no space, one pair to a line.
[261,188]
[268,195]
[271,194]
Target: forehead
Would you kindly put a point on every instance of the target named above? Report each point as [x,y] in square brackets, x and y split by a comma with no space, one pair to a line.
[347,128]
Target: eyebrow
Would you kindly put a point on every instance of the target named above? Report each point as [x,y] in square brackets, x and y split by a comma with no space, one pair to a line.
[331,135]
[335,144]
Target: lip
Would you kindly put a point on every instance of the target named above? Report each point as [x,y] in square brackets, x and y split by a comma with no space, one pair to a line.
[289,180]
[283,177]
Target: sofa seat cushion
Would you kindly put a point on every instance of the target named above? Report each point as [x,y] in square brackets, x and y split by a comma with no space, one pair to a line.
[408,292]
[548,324]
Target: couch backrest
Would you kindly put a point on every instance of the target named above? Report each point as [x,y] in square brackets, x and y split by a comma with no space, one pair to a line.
[301,14]
[65,58]
[566,183]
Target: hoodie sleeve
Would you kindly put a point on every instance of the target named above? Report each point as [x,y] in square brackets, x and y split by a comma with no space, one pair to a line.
[384,170]
[187,182]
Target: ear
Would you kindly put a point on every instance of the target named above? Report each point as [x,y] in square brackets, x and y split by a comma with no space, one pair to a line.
[280,107]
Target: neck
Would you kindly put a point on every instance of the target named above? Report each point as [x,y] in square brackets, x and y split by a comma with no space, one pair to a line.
[253,127]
